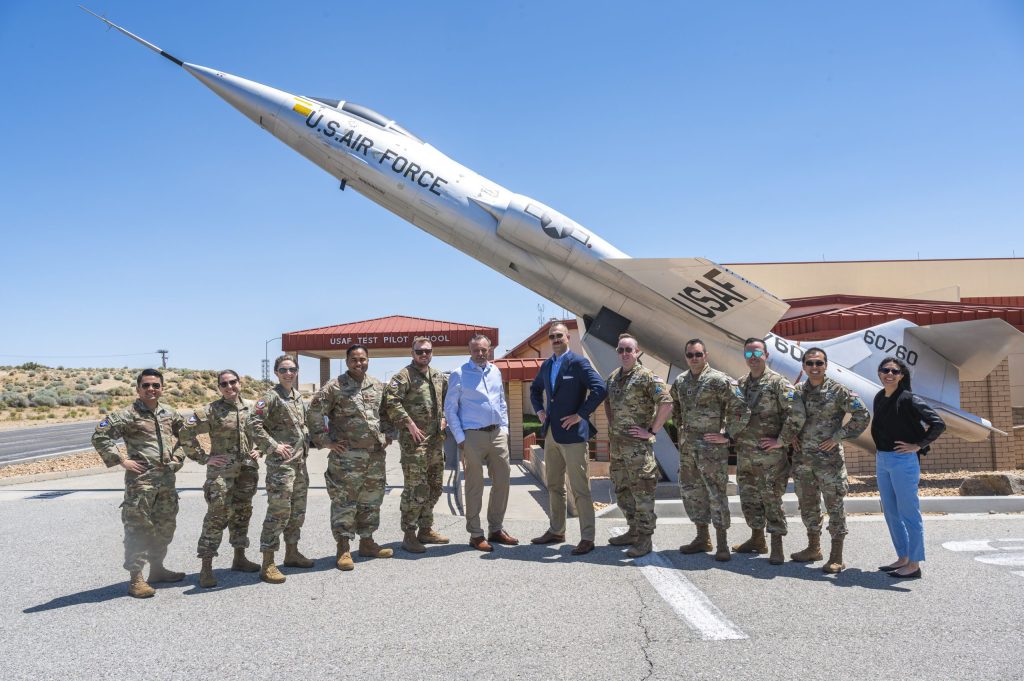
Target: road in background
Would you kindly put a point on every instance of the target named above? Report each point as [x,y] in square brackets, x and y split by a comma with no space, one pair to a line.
[28,444]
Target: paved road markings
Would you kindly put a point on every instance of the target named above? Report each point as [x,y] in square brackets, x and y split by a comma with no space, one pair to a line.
[685,599]
[1006,552]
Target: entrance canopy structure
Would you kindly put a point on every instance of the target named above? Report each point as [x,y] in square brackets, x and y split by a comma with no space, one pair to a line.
[383,337]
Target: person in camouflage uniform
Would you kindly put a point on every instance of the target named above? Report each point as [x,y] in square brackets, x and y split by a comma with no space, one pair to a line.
[150,508]
[232,474]
[819,468]
[638,406]
[762,462]
[345,417]
[709,412]
[278,428]
[415,399]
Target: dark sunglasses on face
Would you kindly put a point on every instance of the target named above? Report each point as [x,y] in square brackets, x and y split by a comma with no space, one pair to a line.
[814,363]
[691,355]
[887,370]
[624,351]
[753,353]
[553,336]
[233,381]
[288,370]
[423,351]
[147,386]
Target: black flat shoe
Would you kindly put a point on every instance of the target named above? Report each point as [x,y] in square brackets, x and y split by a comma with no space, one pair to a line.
[916,574]
[889,568]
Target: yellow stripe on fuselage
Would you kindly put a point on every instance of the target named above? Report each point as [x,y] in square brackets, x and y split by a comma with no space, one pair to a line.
[301,108]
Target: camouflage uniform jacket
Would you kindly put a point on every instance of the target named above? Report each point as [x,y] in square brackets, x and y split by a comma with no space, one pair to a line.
[147,436]
[707,402]
[419,396]
[770,400]
[634,397]
[353,411]
[277,418]
[818,414]
[228,425]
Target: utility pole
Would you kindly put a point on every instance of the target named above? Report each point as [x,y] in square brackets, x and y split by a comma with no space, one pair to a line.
[266,369]
[266,358]
[163,357]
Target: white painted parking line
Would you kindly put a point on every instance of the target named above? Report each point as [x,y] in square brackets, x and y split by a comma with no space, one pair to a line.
[1019,573]
[1008,559]
[685,599]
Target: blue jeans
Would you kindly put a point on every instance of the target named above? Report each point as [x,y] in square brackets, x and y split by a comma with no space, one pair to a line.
[898,477]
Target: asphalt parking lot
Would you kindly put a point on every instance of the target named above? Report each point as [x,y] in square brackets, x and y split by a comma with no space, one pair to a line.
[520,612]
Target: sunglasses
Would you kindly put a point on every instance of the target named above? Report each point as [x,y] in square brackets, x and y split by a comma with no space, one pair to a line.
[887,370]
[753,353]
[423,351]
[814,363]
[233,381]
[148,386]
[625,351]
[288,370]
[692,355]
[553,336]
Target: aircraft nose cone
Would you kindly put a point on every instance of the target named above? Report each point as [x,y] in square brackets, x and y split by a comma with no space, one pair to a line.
[258,102]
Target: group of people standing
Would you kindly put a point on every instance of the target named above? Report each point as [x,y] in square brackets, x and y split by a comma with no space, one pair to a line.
[355,416]
[774,428]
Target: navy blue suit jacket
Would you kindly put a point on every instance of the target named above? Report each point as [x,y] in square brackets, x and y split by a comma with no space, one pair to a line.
[578,390]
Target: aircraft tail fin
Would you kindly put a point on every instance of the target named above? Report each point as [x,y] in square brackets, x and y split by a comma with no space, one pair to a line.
[939,356]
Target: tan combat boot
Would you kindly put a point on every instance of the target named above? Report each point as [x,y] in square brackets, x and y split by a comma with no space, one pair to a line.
[292,557]
[625,539]
[270,574]
[370,549]
[777,557]
[206,578]
[813,550]
[344,560]
[243,564]
[137,587]
[834,564]
[428,536]
[411,543]
[753,545]
[641,547]
[158,573]
[700,544]
[722,554]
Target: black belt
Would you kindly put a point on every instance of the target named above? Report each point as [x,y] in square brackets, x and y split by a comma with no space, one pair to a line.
[487,429]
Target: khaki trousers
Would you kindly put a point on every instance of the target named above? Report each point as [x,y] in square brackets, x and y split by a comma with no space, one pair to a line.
[491,448]
[572,459]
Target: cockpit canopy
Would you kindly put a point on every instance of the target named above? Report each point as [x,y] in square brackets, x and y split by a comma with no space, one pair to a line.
[366,114]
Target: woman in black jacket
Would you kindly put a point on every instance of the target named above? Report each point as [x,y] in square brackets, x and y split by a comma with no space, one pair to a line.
[901,440]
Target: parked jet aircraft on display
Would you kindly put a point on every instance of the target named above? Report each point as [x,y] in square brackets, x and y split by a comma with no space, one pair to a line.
[662,301]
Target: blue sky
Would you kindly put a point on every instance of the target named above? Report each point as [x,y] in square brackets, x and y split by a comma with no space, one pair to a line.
[140,211]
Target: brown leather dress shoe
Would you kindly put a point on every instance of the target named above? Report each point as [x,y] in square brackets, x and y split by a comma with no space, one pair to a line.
[548,537]
[585,546]
[480,544]
[502,537]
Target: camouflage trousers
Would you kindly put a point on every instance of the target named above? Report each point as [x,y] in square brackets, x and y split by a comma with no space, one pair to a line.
[816,475]
[703,480]
[287,485]
[355,484]
[229,492]
[634,474]
[423,472]
[149,513]
[762,476]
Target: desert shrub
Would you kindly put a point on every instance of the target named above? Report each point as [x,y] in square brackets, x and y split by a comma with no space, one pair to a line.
[28,366]
[105,374]
[83,400]
[197,389]
[81,385]
[14,399]
[95,380]
[44,398]
[119,391]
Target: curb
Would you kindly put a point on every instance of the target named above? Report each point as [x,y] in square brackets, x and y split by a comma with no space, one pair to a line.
[55,475]
[673,508]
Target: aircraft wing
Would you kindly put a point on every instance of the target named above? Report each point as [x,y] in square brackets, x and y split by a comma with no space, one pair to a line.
[964,425]
[707,291]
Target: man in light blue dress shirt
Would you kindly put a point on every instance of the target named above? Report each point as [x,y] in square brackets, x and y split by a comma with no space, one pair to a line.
[477,416]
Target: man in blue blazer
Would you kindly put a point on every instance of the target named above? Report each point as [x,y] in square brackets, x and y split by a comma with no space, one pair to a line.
[573,390]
